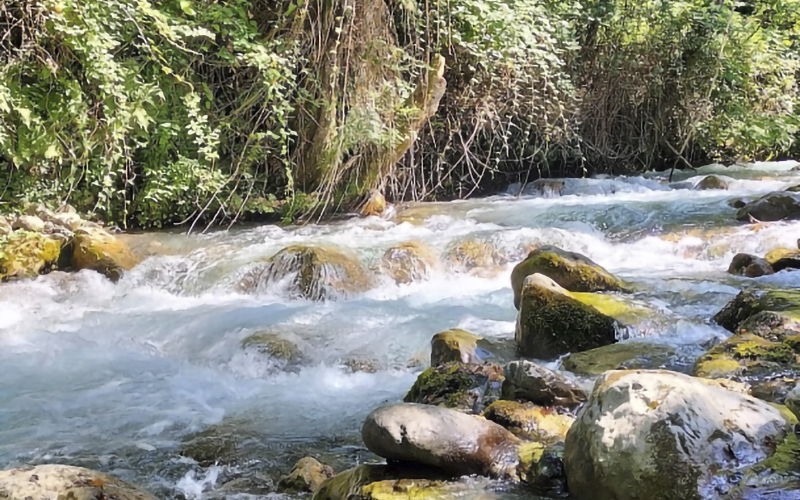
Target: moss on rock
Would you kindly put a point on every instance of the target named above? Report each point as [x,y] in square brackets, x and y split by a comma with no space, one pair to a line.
[619,356]
[572,271]
[528,421]
[469,387]
[307,475]
[408,262]
[25,254]
[97,250]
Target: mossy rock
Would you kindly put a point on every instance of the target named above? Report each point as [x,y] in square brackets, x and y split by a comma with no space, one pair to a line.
[750,266]
[409,262]
[621,309]
[551,322]
[778,205]
[375,205]
[273,345]
[784,304]
[572,271]
[386,482]
[65,482]
[541,467]
[459,345]
[222,444]
[97,250]
[528,381]
[473,255]
[26,255]
[777,477]
[466,387]
[531,422]
[321,273]
[783,258]
[711,182]
[620,356]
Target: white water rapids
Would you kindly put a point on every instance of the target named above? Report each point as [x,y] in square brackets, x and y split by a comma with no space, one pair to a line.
[114,376]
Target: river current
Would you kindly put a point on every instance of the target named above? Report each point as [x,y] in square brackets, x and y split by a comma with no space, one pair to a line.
[116,376]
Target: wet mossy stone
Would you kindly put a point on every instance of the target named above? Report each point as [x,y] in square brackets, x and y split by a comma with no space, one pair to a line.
[620,356]
[783,258]
[748,265]
[65,482]
[467,387]
[473,255]
[778,205]
[747,356]
[97,250]
[273,345]
[26,255]
[409,262]
[711,182]
[528,381]
[543,424]
[655,434]
[757,311]
[573,271]
[551,322]
[459,345]
[306,476]
[220,444]
[320,273]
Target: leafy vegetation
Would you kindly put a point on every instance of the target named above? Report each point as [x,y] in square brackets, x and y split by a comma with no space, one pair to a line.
[151,113]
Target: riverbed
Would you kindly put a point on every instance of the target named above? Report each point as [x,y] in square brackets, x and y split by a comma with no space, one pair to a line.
[115,377]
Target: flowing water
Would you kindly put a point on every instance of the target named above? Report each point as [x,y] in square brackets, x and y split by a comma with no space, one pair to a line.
[116,376]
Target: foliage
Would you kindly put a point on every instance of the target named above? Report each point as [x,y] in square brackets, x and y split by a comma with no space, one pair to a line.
[152,113]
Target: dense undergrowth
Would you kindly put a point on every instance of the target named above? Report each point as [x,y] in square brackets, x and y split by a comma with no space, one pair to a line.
[151,113]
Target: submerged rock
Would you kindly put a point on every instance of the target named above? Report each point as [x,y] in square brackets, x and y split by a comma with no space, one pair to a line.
[527,381]
[473,255]
[659,434]
[572,271]
[65,482]
[551,322]
[97,250]
[528,421]
[307,475]
[778,205]
[27,255]
[620,356]
[751,266]
[408,262]
[321,273]
[455,442]
[469,387]
[271,344]
[711,182]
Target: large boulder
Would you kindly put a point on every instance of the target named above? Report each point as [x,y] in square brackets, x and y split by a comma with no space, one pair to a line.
[26,255]
[408,262]
[648,435]
[455,442]
[306,476]
[320,273]
[527,381]
[772,314]
[778,205]
[65,482]
[98,250]
[573,271]
[467,387]
[748,265]
[621,356]
[552,322]
[542,424]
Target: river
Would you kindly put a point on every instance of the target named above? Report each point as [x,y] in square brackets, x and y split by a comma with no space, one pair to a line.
[115,376]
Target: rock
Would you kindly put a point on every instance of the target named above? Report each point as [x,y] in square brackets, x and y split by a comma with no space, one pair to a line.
[68,220]
[551,322]
[65,482]
[363,365]
[739,202]
[473,254]
[547,188]
[455,442]
[783,258]
[458,345]
[5,227]
[778,205]
[659,434]
[527,381]
[775,478]
[217,444]
[66,209]
[375,205]
[468,387]
[773,314]
[27,255]
[321,273]
[623,355]
[28,223]
[386,482]
[751,266]
[267,343]
[746,356]
[793,400]
[572,271]
[711,182]
[306,476]
[528,421]
[408,262]
[97,250]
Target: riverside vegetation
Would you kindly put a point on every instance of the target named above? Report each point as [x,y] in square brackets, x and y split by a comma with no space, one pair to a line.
[149,114]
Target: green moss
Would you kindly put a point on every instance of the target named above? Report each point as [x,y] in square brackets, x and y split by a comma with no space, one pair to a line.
[457,385]
[610,305]
[623,355]
[785,460]
[26,255]
[786,413]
